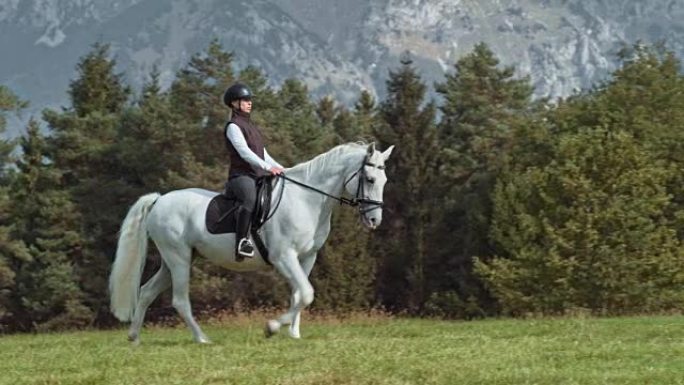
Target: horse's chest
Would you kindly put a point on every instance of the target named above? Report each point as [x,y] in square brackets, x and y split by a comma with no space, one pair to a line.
[321,236]
[311,241]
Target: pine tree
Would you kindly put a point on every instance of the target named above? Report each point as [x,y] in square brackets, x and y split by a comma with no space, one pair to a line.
[83,133]
[345,126]
[326,110]
[586,230]
[588,208]
[482,104]
[158,148]
[98,88]
[47,290]
[9,102]
[13,251]
[298,117]
[83,147]
[644,98]
[365,114]
[356,125]
[197,96]
[402,240]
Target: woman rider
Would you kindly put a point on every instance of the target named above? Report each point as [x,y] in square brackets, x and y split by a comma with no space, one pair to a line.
[248,160]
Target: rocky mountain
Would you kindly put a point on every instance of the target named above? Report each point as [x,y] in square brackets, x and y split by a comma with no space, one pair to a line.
[336,47]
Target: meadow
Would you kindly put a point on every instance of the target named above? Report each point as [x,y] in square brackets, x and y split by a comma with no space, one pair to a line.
[361,350]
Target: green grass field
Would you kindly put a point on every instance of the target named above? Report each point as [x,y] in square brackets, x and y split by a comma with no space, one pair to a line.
[641,350]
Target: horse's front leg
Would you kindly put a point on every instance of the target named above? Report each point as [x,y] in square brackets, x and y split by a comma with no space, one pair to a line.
[307,264]
[302,291]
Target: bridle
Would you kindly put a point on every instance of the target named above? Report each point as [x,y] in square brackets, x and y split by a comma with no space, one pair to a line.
[360,199]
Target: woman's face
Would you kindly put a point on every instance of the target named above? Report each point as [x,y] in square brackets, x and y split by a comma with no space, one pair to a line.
[244,105]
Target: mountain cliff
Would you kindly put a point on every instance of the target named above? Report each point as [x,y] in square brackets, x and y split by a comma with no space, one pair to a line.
[336,47]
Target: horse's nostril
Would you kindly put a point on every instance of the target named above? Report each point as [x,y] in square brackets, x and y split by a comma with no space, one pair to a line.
[372,220]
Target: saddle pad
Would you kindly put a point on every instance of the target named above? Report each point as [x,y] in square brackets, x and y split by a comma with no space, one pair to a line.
[220,215]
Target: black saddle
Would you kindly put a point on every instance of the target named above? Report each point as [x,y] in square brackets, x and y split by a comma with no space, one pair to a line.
[220,215]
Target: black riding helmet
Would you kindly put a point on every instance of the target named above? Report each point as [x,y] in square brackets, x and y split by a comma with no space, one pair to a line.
[236,92]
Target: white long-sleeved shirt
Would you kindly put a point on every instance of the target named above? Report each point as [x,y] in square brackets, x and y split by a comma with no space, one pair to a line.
[234,134]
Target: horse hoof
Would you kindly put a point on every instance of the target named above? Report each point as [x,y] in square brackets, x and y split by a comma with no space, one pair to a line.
[133,338]
[204,341]
[271,328]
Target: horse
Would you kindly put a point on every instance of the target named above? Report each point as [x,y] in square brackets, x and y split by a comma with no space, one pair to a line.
[295,232]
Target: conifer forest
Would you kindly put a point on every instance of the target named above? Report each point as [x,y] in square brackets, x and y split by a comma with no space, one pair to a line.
[498,204]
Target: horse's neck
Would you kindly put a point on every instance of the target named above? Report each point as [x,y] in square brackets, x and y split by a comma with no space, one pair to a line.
[308,211]
[332,177]
[329,179]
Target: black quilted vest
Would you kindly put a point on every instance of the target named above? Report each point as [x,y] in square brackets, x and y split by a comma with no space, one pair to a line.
[255,142]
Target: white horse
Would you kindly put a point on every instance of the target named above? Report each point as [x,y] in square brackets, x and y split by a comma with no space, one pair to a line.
[298,229]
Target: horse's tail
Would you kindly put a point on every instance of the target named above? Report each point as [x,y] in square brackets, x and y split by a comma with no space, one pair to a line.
[131,252]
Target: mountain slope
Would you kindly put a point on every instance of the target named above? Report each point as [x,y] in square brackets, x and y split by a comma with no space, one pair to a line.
[335,47]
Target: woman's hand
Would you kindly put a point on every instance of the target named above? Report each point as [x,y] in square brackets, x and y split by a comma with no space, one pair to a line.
[276,170]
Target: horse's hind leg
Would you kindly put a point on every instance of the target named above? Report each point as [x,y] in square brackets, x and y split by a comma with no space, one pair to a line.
[177,258]
[159,282]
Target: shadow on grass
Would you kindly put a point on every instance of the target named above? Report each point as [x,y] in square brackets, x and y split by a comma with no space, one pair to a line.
[172,343]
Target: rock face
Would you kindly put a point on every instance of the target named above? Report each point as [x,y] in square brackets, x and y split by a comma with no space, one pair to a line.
[336,47]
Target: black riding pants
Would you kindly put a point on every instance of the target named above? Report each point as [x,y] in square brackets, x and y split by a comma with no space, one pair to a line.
[242,188]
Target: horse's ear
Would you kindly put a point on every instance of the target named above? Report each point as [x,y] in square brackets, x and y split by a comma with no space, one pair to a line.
[371,149]
[387,152]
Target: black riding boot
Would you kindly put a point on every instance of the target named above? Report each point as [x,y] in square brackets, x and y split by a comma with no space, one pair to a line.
[243,245]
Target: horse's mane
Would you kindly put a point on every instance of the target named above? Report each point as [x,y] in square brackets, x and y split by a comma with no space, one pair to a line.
[313,166]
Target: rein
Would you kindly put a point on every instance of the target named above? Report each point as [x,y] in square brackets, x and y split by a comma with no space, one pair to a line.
[267,212]
[342,200]
[357,201]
